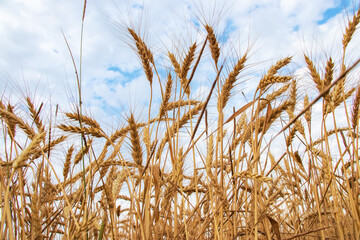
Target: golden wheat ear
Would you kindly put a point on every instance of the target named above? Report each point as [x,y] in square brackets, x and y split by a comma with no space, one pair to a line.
[166,97]
[350,29]
[271,77]
[230,82]
[145,55]
[214,45]
[135,141]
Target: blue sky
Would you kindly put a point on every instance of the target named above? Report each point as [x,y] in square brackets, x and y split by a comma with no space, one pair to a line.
[33,49]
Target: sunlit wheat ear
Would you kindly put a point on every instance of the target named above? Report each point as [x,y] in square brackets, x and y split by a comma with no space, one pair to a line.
[270,77]
[12,119]
[35,113]
[181,71]
[291,136]
[272,96]
[108,187]
[145,55]
[178,167]
[230,82]
[190,114]
[315,76]
[81,154]
[247,174]
[240,125]
[180,103]
[185,68]
[67,163]
[82,130]
[308,112]
[350,29]
[11,126]
[120,178]
[329,72]
[269,80]
[292,99]
[337,97]
[210,154]
[214,45]
[48,147]
[167,95]
[187,61]
[135,141]
[84,119]
[146,137]
[266,121]
[123,131]
[117,134]
[25,154]
[175,64]
[355,109]
[35,217]
[278,65]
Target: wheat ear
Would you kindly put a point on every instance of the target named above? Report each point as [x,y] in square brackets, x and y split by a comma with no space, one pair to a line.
[314,73]
[229,82]
[135,141]
[24,155]
[349,32]
[84,119]
[214,45]
[67,163]
[144,54]
[35,114]
[167,95]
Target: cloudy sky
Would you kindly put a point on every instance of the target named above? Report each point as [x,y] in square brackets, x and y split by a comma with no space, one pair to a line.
[35,61]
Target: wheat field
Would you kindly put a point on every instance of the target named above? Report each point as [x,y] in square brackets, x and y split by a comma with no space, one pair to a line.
[192,169]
